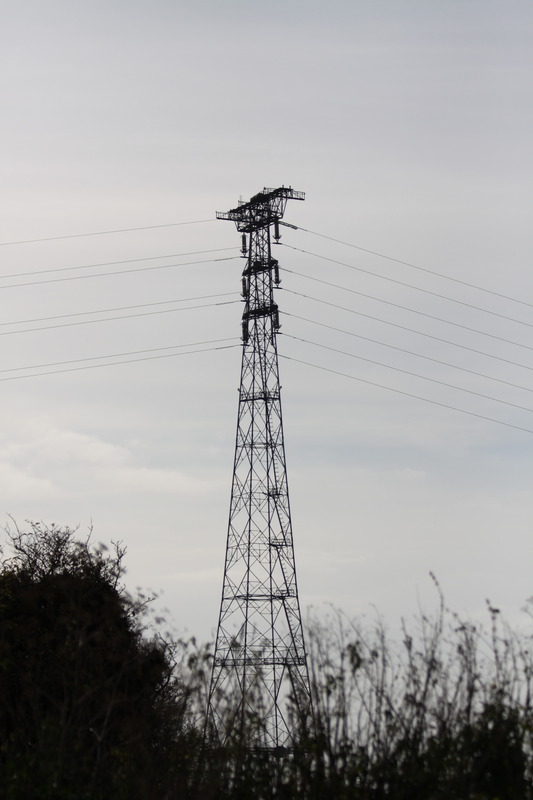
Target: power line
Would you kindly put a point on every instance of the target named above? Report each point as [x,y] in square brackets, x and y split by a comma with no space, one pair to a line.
[410,352]
[407,394]
[414,266]
[413,330]
[118,355]
[411,286]
[118,308]
[120,272]
[117,363]
[103,233]
[112,319]
[113,263]
[407,308]
[412,374]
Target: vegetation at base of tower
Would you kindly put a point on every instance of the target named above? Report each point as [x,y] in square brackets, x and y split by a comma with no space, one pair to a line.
[94,703]
[90,706]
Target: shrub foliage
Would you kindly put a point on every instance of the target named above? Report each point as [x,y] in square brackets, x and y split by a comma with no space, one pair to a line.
[95,704]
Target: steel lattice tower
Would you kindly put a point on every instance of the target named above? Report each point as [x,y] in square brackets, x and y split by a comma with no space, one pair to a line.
[260,657]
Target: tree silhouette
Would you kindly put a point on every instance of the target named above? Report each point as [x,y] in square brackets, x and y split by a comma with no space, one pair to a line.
[88,703]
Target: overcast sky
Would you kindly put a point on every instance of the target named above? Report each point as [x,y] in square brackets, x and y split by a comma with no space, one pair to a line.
[409,125]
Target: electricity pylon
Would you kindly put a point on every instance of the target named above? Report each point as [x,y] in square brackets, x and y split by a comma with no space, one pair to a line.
[260,659]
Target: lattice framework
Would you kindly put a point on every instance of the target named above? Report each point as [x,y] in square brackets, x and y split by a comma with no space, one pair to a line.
[260,658]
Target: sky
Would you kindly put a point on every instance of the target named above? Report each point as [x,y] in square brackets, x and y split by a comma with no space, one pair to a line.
[408,125]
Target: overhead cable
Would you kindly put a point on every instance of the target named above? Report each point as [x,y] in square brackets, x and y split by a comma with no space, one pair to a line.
[411,286]
[411,374]
[118,308]
[103,233]
[409,352]
[411,310]
[114,263]
[120,272]
[117,363]
[113,319]
[410,264]
[118,355]
[407,394]
[413,330]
